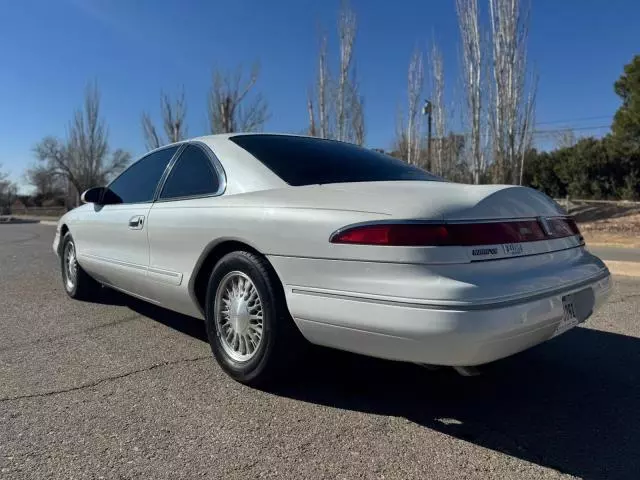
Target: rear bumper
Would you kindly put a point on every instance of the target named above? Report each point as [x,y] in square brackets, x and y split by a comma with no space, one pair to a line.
[456,335]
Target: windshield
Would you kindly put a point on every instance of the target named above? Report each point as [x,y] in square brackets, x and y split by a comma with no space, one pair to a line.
[308,161]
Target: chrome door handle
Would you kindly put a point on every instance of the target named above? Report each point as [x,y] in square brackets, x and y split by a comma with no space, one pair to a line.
[136,222]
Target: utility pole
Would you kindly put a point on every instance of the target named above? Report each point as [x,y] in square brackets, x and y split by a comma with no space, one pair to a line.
[426,110]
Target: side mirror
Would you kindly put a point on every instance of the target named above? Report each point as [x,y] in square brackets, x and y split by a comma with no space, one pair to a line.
[93,195]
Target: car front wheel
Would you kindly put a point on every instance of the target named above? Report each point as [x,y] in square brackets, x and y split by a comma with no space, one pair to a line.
[77,283]
[251,333]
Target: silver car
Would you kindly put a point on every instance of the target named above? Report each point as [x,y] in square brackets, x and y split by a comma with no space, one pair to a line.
[274,239]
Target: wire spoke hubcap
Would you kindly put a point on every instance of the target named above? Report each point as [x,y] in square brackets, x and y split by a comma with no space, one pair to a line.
[238,316]
[71,266]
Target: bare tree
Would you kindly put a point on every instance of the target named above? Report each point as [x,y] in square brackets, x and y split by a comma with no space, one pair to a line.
[408,140]
[319,122]
[45,181]
[472,62]
[340,107]
[415,84]
[8,191]
[151,137]
[441,165]
[174,112]
[454,153]
[566,138]
[3,178]
[312,117]
[347,36]
[357,120]
[83,158]
[512,108]
[323,89]
[528,119]
[231,108]
[400,147]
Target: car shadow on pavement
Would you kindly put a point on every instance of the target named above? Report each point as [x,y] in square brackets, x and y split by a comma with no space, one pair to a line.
[181,323]
[571,404]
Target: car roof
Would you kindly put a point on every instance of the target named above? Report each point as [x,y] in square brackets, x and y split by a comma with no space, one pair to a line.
[226,136]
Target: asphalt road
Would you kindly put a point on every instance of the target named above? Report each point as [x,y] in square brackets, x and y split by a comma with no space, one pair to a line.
[119,389]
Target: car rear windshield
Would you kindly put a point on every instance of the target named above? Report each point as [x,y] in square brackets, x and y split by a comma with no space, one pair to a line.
[309,161]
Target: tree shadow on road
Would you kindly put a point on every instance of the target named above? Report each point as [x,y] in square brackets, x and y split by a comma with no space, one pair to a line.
[16,221]
[572,404]
[595,212]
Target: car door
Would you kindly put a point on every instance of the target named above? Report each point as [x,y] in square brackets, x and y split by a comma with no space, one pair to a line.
[113,244]
[179,226]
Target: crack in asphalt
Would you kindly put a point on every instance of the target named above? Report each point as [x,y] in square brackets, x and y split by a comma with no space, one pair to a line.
[104,380]
[15,346]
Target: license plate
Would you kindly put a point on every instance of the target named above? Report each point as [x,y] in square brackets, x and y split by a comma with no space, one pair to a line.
[512,248]
[576,308]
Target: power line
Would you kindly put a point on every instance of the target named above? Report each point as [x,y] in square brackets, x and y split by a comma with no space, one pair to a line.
[485,135]
[550,130]
[582,119]
[570,129]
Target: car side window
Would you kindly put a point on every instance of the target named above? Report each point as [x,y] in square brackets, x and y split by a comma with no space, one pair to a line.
[138,183]
[192,175]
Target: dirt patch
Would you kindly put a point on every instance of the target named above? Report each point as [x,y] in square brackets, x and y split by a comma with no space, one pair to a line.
[609,224]
[604,239]
[622,231]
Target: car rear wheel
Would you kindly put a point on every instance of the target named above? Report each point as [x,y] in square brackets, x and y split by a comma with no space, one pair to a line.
[77,283]
[251,334]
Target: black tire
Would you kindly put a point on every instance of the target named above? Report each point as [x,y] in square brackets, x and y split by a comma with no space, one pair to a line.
[84,287]
[281,341]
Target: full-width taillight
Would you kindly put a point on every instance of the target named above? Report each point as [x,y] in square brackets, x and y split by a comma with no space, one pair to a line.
[416,234]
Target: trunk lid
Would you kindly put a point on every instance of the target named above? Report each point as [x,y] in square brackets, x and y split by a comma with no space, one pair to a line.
[463,208]
[447,201]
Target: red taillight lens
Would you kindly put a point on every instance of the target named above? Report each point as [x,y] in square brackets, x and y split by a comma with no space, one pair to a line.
[407,235]
[427,234]
[468,234]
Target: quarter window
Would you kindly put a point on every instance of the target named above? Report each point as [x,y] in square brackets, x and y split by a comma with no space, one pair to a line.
[193,175]
[138,183]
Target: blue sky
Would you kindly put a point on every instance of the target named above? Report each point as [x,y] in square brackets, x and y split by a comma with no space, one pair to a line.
[136,48]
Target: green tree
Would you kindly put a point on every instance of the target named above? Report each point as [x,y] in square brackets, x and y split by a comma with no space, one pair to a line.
[624,144]
[626,123]
[625,164]
[586,169]
[540,173]
[608,167]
